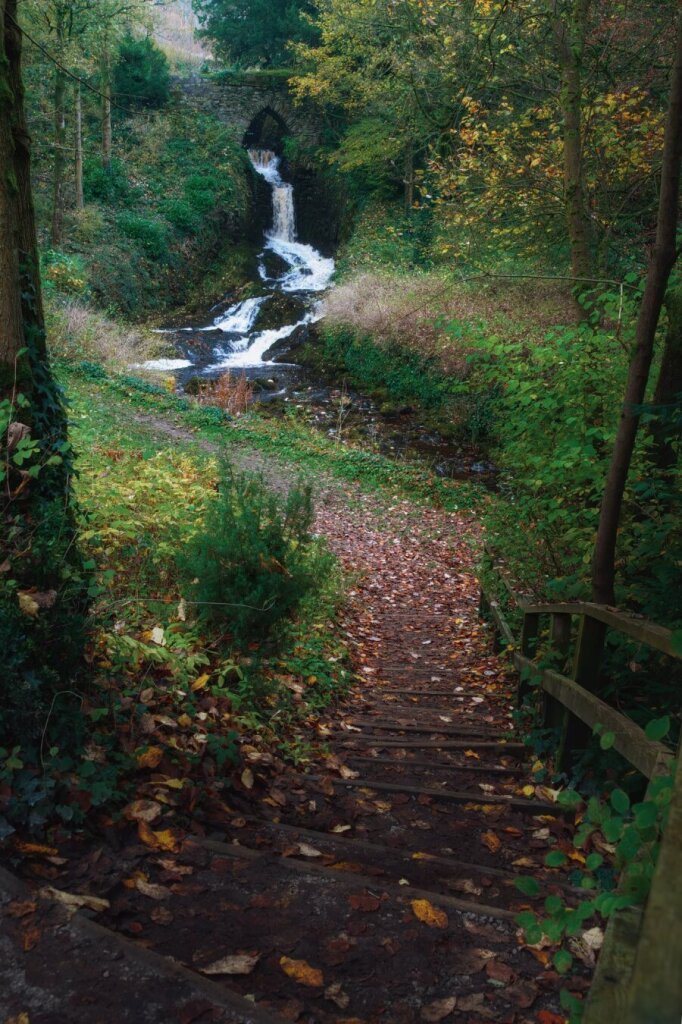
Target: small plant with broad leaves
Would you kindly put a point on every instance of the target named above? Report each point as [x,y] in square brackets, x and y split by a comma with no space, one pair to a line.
[616,845]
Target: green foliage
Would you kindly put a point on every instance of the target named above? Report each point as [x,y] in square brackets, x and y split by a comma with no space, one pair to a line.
[105,185]
[253,563]
[151,234]
[254,33]
[142,74]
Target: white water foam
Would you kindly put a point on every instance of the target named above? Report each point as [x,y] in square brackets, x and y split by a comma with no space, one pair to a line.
[162,364]
[238,319]
[253,355]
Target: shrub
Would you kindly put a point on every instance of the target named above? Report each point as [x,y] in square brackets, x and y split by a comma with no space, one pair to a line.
[150,233]
[142,75]
[253,562]
[181,215]
[105,185]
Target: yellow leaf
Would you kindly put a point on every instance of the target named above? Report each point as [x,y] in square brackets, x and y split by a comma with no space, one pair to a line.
[247,778]
[528,790]
[523,862]
[422,856]
[200,683]
[28,605]
[150,758]
[163,840]
[428,914]
[184,721]
[302,972]
[472,753]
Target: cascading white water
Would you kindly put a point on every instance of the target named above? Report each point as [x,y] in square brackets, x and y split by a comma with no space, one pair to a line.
[307,272]
[283,214]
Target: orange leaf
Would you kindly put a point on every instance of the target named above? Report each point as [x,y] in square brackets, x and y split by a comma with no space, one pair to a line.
[150,758]
[472,753]
[302,972]
[428,914]
[35,848]
[491,841]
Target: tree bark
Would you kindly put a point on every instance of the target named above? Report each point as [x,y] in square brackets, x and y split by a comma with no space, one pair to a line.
[106,114]
[58,160]
[669,385]
[660,266]
[409,178]
[570,35]
[78,149]
[11,326]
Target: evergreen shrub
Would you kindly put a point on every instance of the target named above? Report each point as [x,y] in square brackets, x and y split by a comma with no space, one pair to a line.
[254,561]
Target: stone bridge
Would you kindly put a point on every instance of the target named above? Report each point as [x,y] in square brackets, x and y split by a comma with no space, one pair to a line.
[258,105]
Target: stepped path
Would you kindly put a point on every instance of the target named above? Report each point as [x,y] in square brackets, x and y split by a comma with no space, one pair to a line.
[375,886]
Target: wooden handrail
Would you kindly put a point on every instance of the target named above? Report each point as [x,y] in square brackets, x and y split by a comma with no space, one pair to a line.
[657,637]
[639,973]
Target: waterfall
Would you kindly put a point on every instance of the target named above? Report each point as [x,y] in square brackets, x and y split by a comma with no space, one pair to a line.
[283,217]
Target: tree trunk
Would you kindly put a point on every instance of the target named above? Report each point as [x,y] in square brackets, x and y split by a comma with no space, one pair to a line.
[11,325]
[570,35]
[668,393]
[106,114]
[660,266]
[78,149]
[409,178]
[58,161]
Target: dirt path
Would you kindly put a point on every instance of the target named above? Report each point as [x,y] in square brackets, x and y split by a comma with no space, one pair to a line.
[379,887]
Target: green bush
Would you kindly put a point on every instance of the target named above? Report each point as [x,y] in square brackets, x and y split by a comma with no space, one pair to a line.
[254,561]
[151,233]
[105,185]
[181,215]
[142,75]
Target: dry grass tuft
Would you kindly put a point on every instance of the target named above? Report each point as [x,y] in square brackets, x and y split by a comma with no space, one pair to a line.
[415,311]
[231,393]
[75,331]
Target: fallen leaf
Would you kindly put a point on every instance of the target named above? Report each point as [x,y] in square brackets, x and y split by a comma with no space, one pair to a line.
[163,840]
[21,908]
[74,901]
[302,972]
[30,938]
[439,1009]
[161,915]
[142,810]
[153,891]
[472,753]
[336,994]
[308,851]
[428,914]
[237,963]
[341,828]
[465,885]
[150,758]
[492,841]
[548,1017]
[158,636]
[247,778]
[364,901]
[34,849]
[200,682]
[499,971]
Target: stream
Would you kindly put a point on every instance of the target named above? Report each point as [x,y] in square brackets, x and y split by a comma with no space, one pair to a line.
[252,338]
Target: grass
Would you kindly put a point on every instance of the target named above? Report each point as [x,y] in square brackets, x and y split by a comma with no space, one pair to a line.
[290,440]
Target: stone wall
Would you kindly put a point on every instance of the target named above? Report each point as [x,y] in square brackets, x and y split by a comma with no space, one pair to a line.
[239,100]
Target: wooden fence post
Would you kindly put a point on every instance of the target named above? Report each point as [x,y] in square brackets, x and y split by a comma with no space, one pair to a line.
[586,668]
[555,715]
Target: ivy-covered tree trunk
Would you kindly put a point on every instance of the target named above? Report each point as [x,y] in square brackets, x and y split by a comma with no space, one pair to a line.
[660,267]
[570,31]
[41,581]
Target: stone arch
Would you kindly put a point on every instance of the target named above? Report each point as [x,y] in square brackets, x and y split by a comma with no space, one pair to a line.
[266,130]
